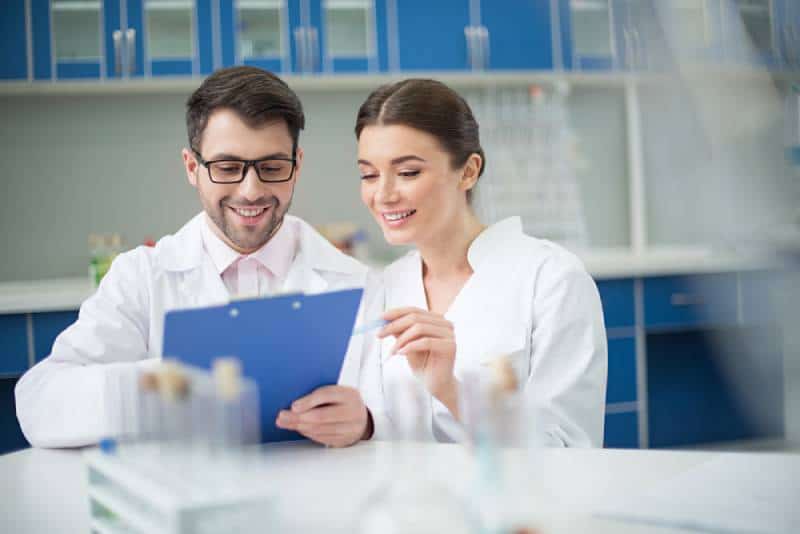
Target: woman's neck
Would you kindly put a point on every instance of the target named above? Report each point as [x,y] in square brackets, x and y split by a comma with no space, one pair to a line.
[445,256]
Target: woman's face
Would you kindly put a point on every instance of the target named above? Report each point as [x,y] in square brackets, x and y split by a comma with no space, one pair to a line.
[409,185]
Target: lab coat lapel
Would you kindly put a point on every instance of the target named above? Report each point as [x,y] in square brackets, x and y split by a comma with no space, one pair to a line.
[302,277]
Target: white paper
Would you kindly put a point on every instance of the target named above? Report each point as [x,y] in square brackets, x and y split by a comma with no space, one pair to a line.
[729,493]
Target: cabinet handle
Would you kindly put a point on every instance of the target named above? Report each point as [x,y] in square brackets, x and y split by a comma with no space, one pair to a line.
[313,45]
[300,46]
[130,43]
[683,300]
[469,36]
[483,34]
[638,51]
[116,37]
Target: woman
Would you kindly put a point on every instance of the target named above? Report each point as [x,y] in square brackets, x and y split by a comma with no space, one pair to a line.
[469,292]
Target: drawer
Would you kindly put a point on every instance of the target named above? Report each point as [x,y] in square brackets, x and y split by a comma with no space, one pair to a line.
[687,301]
[622,431]
[621,370]
[46,327]
[14,333]
[617,299]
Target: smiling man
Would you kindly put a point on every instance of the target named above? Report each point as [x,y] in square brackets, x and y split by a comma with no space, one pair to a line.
[244,161]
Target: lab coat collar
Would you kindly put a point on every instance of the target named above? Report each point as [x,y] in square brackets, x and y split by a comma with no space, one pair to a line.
[315,257]
[499,238]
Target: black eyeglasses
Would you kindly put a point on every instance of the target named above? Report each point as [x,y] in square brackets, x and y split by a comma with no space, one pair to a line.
[232,171]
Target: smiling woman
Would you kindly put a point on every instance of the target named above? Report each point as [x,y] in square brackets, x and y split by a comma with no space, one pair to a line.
[470,293]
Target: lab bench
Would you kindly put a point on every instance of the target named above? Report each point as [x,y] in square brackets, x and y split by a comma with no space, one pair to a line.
[694,347]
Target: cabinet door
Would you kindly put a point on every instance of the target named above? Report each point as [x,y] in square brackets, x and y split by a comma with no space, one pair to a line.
[519,34]
[621,431]
[257,33]
[168,38]
[751,32]
[14,353]
[76,39]
[714,385]
[431,35]
[13,41]
[621,370]
[588,39]
[693,28]
[46,328]
[11,438]
[787,26]
[639,36]
[345,34]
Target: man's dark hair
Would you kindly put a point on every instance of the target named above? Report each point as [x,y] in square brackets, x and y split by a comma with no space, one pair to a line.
[258,97]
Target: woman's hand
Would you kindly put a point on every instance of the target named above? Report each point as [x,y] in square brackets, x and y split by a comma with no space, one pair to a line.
[428,342]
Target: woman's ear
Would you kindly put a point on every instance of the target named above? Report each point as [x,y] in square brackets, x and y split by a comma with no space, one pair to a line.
[471,172]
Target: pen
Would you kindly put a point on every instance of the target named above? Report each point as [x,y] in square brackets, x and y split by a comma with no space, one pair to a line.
[370,325]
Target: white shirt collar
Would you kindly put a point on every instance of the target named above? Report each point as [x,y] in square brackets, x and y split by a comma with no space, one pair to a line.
[276,254]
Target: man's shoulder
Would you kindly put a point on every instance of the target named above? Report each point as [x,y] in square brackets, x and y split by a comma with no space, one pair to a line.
[320,254]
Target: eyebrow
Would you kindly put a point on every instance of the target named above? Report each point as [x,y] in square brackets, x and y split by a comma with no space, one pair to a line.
[396,161]
[225,155]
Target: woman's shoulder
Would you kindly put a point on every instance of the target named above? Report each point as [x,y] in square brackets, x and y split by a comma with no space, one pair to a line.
[535,255]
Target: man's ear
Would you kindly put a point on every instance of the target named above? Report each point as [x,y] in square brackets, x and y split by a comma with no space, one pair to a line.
[190,164]
[471,172]
[299,165]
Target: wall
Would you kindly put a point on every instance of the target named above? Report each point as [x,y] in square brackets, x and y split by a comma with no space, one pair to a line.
[73,165]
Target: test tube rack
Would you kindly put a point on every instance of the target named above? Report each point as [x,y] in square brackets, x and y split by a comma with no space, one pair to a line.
[126,495]
[193,464]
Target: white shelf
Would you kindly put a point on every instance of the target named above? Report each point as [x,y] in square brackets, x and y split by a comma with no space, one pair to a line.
[69,293]
[350,82]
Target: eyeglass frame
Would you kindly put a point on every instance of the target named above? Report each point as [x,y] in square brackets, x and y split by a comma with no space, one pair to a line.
[247,164]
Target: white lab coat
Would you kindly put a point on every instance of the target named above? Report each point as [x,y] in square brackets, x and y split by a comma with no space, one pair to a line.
[85,389]
[530,299]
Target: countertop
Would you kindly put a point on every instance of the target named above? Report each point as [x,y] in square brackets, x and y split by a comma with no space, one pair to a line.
[325,490]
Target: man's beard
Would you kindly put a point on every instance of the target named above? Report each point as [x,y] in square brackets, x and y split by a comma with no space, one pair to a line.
[242,238]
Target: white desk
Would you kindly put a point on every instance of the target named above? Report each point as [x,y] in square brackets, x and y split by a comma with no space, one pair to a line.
[322,489]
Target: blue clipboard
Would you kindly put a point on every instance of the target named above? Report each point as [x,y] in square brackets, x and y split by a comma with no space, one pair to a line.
[290,345]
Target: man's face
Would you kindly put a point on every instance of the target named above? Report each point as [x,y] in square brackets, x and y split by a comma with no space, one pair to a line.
[245,214]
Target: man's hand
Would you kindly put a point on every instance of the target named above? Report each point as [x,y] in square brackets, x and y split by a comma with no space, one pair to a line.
[331,415]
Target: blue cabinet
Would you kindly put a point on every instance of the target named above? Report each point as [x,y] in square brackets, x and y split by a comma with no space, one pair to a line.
[621,370]
[14,333]
[112,39]
[714,385]
[13,41]
[621,431]
[588,34]
[616,297]
[46,327]
[305,36]
[11,438]
[690,301]
[431,35]
[473,35]
[753,31]
[168,38]
[519,35]
[76,39]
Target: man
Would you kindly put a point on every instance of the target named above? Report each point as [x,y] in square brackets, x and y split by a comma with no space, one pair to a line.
[244,161]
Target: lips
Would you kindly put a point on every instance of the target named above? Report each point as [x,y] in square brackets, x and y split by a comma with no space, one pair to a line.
[398,215]
[251,215]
